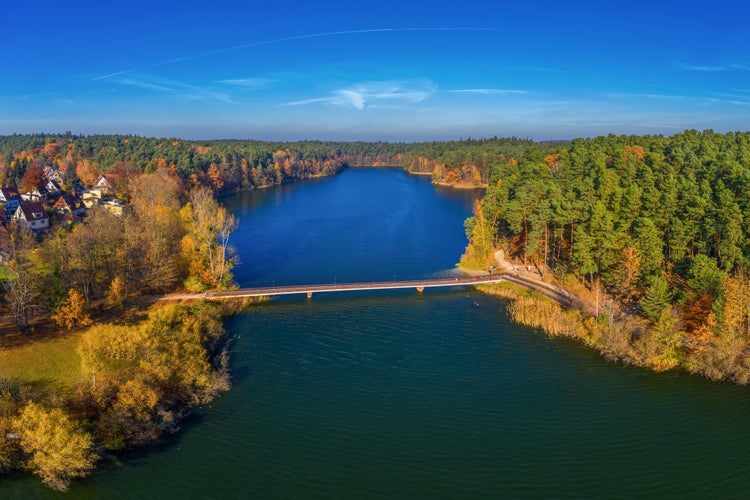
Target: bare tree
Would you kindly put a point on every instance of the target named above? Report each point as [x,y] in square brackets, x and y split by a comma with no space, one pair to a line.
[23,291]
[155,200]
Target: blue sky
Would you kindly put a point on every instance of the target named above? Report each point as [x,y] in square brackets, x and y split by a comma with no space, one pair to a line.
[389,71]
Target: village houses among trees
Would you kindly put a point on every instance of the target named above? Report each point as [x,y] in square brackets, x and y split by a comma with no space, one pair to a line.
[71,226]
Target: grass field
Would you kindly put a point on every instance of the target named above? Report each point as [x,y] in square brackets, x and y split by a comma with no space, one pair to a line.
[52,360]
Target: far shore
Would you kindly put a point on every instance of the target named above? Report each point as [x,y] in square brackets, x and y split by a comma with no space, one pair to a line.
[460,186]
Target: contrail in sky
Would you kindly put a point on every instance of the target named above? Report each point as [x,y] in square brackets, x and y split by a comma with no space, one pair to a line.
[287,39]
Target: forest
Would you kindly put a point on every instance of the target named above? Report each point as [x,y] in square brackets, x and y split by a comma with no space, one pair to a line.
[653,227]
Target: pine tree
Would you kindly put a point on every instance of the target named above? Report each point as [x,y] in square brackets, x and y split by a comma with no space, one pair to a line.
[657,298]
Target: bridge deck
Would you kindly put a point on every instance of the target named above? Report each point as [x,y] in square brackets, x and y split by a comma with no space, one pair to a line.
[555,293]
[349,287]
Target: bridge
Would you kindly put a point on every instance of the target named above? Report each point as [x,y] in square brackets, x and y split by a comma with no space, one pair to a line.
[309,290]
[553,292]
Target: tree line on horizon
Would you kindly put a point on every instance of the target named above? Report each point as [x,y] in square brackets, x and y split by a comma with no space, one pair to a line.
[231,165]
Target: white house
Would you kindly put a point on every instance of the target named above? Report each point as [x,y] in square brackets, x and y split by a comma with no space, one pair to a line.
[53,188]
[32,215]
[103,185]
[37,194]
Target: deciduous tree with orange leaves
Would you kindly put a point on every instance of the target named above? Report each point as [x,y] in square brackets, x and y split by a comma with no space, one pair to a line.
[72,312]
[87,171]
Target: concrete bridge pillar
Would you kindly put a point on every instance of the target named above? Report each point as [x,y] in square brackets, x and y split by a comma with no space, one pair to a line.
[420,289]
[309,295]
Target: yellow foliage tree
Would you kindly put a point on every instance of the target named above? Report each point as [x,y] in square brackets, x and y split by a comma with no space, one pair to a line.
[72,312]
[58,449]
[205,247]
[215,177]
[629,272]
[479,251]
[116,293]
[136,396]
[736,292]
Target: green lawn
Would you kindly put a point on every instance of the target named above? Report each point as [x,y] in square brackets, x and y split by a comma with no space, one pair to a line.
[6,274]
[54,360]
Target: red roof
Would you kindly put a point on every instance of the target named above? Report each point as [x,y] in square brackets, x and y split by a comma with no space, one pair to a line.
[71,201]
[33,211]
[10,193]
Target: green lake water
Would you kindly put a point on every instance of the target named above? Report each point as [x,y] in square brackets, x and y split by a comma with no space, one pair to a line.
[399,394]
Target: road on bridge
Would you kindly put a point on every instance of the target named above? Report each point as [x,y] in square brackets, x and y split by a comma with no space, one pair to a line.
[341,287]
[553,292]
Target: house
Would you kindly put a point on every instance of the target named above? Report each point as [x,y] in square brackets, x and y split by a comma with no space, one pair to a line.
[31,215]
[10,197]
[37,194]
[91,198]
[115,207]
[53,188]
[4,237]
[103,185]
[56,176]
[70,204]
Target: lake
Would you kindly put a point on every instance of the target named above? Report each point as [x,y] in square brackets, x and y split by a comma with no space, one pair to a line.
[400,394]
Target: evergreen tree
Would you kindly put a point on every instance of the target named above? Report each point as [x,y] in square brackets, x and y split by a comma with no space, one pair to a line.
[657,299]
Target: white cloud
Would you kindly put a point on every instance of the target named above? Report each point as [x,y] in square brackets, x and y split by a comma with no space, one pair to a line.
[177,89]
[327,100]
[490,91]
[711,69]
[626,95]
[144,85]
[374,95]
[254,83]
[724,98]
[352,97]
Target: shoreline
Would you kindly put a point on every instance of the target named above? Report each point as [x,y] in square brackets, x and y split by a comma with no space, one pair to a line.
[443,184]
[467,187]
[625,338]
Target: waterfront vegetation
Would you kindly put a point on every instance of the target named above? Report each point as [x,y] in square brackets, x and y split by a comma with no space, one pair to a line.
[121,386]
[650,233]
[83,352]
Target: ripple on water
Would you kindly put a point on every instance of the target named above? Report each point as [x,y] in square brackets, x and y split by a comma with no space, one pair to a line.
[391,395]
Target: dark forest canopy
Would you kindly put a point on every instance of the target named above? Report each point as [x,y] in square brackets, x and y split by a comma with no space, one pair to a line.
[671,199]
[659,225]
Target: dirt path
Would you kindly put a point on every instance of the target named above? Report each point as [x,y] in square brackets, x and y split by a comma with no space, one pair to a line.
[528,279]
